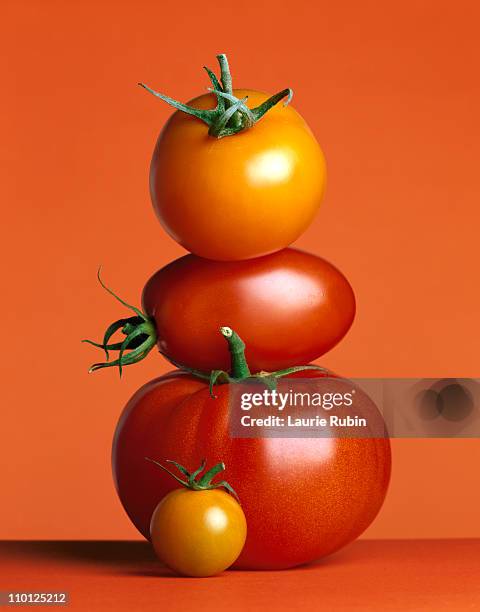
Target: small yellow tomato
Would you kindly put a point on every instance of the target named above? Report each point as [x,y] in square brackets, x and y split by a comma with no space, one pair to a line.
[198,533]
[199,530]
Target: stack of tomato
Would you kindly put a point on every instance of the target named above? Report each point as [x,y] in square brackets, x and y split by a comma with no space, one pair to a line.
[235,178]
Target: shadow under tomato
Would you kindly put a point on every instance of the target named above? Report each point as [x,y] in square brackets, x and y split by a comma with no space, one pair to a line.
[106,556]
[126,558]
[343,557]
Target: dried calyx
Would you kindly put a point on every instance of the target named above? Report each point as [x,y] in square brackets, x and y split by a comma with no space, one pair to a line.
[231,114]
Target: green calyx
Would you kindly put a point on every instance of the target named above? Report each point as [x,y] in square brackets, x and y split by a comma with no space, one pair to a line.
[140,332]
[231,114]
[194,480]
[240,371]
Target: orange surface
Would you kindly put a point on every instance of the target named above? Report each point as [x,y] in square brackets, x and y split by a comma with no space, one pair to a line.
[368,575]
[392,93]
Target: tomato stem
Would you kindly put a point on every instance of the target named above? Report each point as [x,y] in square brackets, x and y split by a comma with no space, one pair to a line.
[225,75]
[236,346]
[239,371]
[231,114]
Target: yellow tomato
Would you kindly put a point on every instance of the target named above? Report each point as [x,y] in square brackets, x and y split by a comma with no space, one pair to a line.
[241,196]
[198,533]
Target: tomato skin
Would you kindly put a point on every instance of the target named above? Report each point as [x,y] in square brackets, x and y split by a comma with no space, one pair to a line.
[303,498]
[241,196]
[198,533]
[289,308]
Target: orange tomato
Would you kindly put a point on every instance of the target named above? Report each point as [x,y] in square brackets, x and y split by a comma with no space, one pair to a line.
[199,530]
[242,196]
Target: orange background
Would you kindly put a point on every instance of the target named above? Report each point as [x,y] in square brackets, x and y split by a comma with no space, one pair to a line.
[390,89]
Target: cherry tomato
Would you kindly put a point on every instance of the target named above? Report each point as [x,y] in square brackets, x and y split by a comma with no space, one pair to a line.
[242,196]
[303,498]
[198,530]
[290,308]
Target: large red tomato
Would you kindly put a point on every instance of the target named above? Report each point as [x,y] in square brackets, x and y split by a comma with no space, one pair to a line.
[303,497]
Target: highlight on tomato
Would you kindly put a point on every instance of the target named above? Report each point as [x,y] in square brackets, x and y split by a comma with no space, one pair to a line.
[290,308]
[303,498]
[198,529]
[233,175]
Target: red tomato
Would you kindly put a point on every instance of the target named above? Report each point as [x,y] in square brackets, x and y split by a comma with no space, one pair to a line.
[303,498]
[290,308]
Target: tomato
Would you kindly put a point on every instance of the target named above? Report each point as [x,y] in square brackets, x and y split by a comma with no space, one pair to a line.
[238,197]
[290,308]
[198,532]
[303,498]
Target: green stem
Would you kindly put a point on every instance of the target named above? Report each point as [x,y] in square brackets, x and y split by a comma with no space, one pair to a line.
[236,346]
[231,115]
[239,370]
[237,118]
[295,369]
[225,75]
